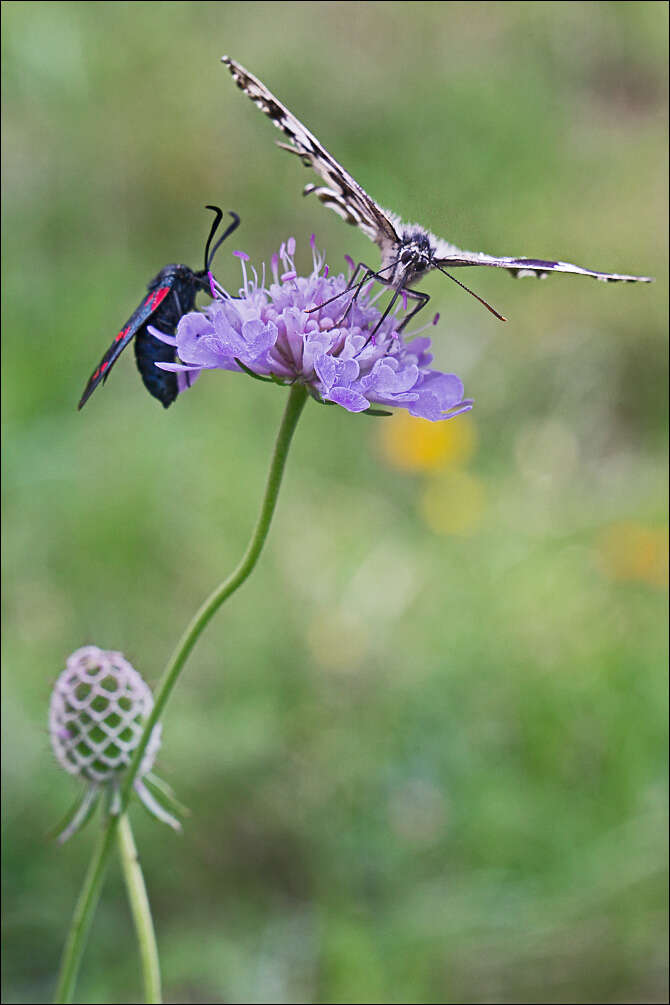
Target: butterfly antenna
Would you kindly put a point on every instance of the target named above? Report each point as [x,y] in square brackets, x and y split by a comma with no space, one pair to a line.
[209,255]
[472,294]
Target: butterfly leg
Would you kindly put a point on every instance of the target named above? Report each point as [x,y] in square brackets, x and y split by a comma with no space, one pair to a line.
[422,299]
[354,281]
[368,274]
[386,313]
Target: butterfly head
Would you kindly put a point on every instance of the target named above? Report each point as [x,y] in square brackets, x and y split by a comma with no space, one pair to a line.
[415,257]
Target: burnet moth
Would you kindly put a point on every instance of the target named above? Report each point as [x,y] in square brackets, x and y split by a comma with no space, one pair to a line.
[171,294]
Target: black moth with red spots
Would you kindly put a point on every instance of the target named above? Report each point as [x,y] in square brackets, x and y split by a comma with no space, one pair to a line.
[171,294]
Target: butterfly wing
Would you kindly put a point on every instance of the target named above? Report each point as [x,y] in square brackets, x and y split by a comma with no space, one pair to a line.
[450,257]
[139,317]
[342,193]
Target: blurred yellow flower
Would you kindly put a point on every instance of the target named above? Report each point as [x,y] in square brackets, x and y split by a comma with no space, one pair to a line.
[453,503]
[634,552]
[411,444]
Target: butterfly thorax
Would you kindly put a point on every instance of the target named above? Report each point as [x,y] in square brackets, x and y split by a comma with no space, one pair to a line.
[414,256]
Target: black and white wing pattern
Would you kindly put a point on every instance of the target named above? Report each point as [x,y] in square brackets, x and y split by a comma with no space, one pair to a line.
[448,256]
[343,194]
[410,250]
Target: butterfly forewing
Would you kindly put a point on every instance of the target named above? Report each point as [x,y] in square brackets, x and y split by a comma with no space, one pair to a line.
[344,194]
[528,266]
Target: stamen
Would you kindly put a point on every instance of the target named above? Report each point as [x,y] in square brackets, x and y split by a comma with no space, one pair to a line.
[417,331]
[244,258]
[219,292]
[316,267]
[286,255]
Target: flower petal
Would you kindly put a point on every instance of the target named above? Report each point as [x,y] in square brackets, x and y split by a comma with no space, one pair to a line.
[351,400]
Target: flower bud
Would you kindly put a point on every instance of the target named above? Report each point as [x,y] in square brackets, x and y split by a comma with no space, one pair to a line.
[99,706]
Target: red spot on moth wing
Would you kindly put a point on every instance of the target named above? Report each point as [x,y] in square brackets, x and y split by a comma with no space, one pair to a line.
[104,366]
[96,374]
[122,334]
[158,297]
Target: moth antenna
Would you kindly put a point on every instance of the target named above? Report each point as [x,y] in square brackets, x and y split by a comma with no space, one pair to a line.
[218,214]
[472,294]
[209,255]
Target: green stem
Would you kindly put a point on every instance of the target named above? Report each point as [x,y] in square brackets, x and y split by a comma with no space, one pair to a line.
[141,911]
[88,898]
[83,913]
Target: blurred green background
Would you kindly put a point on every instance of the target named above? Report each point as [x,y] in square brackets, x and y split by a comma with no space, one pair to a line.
[424,746]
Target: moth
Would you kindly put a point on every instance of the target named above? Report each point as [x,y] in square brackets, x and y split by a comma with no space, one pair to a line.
[408,251]
[171,294]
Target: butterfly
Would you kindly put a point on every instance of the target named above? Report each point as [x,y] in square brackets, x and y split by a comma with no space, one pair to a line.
[408,251]
[171,294]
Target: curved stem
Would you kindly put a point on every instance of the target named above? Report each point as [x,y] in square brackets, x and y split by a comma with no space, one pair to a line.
[294,406]
[141,911]
[90,893]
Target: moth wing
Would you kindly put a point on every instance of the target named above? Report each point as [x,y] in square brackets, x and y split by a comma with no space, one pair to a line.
[138,318]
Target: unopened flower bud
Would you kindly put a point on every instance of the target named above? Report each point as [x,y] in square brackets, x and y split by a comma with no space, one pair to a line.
[98,709]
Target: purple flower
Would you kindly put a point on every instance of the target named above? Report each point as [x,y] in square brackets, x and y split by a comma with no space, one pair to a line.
[287,331]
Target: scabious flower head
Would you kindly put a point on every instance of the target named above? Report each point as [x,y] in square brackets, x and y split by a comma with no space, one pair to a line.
[287,330]
[98,708]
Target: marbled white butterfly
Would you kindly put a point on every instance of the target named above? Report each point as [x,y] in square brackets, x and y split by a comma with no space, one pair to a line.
[408,251]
